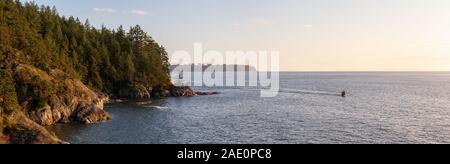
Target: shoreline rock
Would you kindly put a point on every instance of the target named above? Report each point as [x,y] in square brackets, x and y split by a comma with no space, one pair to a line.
[26,131]
[136,92]
[160,92]
[182,92]
[207,93]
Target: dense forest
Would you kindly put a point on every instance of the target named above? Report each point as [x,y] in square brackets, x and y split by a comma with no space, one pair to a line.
[104,59]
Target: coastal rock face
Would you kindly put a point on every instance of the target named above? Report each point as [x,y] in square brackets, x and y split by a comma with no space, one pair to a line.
[141,92]
[182,92]
[160,92]
[136,92]
[26,131]
[49,98]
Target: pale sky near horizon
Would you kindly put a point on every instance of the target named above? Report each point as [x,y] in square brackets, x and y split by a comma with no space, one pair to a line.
[311,35]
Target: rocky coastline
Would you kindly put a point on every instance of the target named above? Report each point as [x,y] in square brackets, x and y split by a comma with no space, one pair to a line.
[50,97]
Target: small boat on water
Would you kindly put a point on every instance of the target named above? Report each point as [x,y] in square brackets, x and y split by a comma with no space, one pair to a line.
[343,94]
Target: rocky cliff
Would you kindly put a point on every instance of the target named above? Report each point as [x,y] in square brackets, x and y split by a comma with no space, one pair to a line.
[46,98]
[49,98]
[25,131]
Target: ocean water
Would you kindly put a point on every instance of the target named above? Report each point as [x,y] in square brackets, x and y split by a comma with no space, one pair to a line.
[379,108]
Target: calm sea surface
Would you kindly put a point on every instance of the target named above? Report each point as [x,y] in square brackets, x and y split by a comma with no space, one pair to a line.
[380,108]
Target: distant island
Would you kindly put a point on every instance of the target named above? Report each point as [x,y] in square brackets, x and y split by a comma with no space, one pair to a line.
[223,67]
[55,69]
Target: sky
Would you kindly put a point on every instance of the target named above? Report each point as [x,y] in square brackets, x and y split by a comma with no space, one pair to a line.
[311,35]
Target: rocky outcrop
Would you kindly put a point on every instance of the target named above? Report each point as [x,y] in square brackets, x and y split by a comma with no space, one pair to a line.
[182,92]
[46,98]
[25,131]
[160,92]
[207,93]
[135,92]
[185,91]
[49,98]
[141,92]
